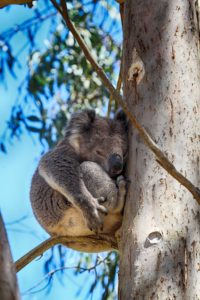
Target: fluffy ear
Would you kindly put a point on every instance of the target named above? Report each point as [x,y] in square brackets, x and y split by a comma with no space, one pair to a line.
[91,114]
[80,122]
[121,116]
[87,117]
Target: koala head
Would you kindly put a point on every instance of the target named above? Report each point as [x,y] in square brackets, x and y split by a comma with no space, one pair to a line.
[99,139]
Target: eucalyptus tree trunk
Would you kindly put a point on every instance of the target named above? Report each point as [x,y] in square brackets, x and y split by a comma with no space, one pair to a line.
[160,246]
[8,281]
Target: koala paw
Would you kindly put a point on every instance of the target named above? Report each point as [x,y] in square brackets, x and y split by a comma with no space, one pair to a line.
[94,213]
[121,182]
[111,199]
[101,200]
[118,234]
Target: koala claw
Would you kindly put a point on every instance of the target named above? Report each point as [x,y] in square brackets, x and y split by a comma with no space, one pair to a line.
[102,209]
[95,226]
[93,215]
[101,200]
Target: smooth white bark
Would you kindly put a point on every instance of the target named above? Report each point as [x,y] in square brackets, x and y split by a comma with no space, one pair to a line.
[160,249]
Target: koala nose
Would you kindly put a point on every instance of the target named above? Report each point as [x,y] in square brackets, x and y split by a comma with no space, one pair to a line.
[115,164]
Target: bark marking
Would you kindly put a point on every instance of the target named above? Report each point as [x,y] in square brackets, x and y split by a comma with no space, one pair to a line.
[136,71]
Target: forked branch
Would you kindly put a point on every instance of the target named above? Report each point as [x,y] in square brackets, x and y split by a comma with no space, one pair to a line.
[160,156]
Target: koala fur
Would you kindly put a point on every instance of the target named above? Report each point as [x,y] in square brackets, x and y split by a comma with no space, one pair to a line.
[73,191]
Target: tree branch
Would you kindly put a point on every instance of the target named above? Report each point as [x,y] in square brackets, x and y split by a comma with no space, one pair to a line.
[120,1]
[119,83]
[101,242]
[52,272]
[160,156]
[4,3]
[8,280]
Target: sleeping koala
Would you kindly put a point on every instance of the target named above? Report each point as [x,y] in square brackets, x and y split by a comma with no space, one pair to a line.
[73,191]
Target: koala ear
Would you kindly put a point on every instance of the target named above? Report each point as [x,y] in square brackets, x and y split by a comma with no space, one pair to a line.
[89,117]
[120,116]
[91,114]
[80,122]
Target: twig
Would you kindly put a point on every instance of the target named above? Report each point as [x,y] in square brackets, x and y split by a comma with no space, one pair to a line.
[4,3]
[105,241]
[119,83]
[160,156]
[50,274]
[121,9]
[24,26]
[120,1]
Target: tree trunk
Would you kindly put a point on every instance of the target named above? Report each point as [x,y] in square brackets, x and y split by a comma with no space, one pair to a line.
[8,281]
[160,246]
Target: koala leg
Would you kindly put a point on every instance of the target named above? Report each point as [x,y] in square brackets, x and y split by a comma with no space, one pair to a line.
[99,184]
[121,183]
[111,202]
[116,197]
[62,173]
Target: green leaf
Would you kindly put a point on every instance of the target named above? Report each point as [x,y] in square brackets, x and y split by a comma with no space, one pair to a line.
[33,119]
[33,129]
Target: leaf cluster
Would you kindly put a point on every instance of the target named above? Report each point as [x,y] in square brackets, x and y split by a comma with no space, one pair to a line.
[101,269]
[59,79]
[58,82]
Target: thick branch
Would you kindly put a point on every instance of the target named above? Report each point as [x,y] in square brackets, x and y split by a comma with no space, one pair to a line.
[8,280]
[9,2]
[160,156]
[88,242]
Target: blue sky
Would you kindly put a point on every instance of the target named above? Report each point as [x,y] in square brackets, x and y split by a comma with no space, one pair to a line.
[16,169]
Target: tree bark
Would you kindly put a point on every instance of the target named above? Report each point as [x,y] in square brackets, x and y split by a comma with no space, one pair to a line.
[8,281]
[160,245]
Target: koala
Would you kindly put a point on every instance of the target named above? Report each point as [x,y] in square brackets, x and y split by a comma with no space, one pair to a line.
[74,191]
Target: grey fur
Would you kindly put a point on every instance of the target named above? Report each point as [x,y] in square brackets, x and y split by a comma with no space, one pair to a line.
[73,177]
[99,184]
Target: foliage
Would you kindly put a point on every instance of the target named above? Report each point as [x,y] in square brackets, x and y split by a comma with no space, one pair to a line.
[59,81]
[102,268]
